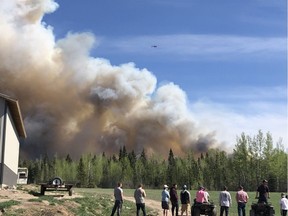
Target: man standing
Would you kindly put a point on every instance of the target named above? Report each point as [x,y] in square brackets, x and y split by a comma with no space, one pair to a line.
[118,194]
[241,199]
[185,200]
[263,192]
[139,196]
[174,199]
[283,205]
[225,201]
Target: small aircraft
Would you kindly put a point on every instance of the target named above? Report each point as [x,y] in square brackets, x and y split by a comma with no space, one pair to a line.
[154,46]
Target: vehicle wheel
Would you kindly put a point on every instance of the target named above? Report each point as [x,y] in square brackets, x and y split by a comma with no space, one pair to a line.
[213,212]
[271,212]
[196,212]
[42,191]
[252,213]
[57,181]
[70,192]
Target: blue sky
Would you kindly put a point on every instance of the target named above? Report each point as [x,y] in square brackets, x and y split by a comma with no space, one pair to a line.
[230,57]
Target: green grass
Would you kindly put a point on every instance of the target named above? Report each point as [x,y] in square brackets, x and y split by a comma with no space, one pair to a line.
[8,204]
[156,195]
[100,202]
[97,201]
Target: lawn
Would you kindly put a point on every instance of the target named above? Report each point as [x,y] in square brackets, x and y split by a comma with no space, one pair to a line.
[156,195]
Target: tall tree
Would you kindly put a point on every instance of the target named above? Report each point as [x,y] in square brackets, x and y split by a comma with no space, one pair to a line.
[171,169]
[241,160]
[81,173]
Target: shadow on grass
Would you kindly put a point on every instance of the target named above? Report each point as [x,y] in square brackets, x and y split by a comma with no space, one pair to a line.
[51,196]
[34,193]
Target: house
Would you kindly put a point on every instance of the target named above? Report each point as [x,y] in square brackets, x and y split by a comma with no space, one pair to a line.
[11,132]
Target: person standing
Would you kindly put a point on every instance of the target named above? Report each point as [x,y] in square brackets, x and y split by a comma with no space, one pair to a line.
[225,201]
[185,200]
[283,205]
[174,199]
[262,192]
[241,199]
[139,196]
[118,195]
[165,200]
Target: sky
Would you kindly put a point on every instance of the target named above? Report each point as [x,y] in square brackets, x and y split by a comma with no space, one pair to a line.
[154,74]
[230,57]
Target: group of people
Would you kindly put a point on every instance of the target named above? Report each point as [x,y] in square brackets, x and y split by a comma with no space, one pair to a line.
[172,195]
[202,196]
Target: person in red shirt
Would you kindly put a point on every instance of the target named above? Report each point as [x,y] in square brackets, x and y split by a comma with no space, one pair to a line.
[241,199]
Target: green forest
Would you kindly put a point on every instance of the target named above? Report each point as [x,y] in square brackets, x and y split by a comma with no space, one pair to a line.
[252,160]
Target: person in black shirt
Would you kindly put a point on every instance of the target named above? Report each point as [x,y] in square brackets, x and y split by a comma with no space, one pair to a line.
[174,199]
[263,192]
[185,200]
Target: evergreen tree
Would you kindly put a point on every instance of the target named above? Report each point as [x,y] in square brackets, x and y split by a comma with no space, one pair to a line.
[68,159]
[81,174]
[171,170]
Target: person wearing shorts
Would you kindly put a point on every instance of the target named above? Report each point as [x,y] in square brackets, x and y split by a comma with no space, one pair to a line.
[165,200]
[185,200]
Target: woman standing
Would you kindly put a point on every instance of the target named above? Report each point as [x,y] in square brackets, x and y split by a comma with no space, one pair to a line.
[165,200]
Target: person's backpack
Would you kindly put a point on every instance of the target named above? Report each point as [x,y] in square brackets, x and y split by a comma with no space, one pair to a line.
[184,196]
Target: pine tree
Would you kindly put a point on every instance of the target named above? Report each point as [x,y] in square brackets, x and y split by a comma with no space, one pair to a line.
[81,174]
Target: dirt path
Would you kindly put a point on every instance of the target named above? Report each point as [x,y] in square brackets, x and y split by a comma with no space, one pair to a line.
[149,203]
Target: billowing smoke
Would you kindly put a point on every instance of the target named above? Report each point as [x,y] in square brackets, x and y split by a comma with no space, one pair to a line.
[74,103]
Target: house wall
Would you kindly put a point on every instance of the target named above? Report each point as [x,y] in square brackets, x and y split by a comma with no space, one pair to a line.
[2,109]
[9,150]
[11,154]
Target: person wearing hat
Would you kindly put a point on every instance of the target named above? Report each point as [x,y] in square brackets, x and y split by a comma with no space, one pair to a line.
[263,192]
[185,200]
[165,200]
[283,204]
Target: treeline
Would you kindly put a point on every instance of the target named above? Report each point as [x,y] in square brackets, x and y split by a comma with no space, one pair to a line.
[253,159]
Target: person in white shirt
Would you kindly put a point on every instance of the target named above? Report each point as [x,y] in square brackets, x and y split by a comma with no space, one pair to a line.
[206,195]
[225,201]
[283,205]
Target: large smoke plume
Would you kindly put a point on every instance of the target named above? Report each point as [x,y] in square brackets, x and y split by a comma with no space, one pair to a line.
[74,103]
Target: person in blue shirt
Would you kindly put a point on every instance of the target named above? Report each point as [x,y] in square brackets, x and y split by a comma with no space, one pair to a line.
[165,200]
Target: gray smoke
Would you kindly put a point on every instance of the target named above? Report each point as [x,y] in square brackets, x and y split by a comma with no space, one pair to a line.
[74,103]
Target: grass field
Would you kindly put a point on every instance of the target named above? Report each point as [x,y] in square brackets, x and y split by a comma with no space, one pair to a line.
[93,202]
[156,195]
